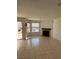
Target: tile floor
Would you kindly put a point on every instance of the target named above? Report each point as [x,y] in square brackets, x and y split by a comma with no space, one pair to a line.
[38,48]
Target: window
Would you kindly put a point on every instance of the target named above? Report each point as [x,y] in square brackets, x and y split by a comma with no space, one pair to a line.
[35,27]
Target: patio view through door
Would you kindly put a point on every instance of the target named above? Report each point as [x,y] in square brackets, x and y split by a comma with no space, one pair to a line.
[19,34]
[32,28]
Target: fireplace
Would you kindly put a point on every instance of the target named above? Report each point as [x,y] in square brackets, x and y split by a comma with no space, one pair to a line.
[46,32]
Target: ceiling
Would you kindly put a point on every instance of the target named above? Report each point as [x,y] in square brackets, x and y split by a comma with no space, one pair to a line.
[38,9]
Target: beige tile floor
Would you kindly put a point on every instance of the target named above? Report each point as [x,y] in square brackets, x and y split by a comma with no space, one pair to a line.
[38,48]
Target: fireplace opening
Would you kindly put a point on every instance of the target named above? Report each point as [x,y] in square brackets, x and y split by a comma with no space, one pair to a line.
[46,32]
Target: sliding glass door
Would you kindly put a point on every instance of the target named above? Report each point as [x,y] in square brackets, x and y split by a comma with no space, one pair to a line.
[32,28]
[19,32]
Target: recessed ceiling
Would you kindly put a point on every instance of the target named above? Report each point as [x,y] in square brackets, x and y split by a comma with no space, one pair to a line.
[39,9]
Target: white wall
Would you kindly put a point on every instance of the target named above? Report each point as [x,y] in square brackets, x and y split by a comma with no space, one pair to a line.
[46,23]
[57,29]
